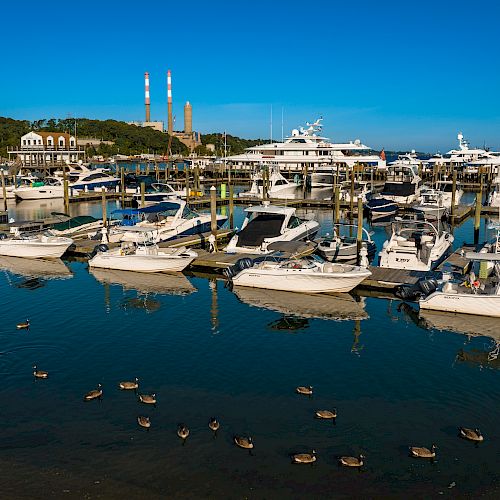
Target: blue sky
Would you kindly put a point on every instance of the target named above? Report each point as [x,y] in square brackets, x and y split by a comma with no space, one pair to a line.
[407,74]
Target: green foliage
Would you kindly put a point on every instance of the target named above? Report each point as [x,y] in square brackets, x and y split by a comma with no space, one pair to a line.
[235,145]
[128,139]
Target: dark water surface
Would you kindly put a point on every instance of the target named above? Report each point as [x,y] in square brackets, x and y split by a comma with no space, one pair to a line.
[207,351]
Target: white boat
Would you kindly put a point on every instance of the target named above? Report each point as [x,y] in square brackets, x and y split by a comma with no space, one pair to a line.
[361,189]
[284,271]
[81,178]
[265,224]
[48,188]
[278,186]
[494,197]
[431,204]
[78,226]
[402,184]
[34,246]
[144,257]
[478,295]
[415,245]
[407,159]
[160,192]
[342,246]
[446,189]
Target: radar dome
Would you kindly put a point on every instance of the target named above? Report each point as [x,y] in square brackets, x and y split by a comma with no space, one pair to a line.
[460,136]
[357,142]
[295,132]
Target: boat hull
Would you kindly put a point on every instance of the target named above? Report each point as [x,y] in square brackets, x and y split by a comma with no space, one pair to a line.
[40,193]
[477,304]
[29,249]
[141,263]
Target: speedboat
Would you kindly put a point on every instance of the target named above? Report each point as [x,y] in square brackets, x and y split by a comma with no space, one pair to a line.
[33,246]
[168,220]
[267,223]
[415,245]
[48,188]
[144,257]
[278,186]
[159,192]
[82,178]
[479,294]
[431,204]
[446,189]
[361,190]
[402,184]
[494,197]
[288,271]
[378,206]
[342,246]
[80,225]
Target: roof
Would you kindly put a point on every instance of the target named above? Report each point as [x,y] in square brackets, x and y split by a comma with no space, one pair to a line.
[270,209]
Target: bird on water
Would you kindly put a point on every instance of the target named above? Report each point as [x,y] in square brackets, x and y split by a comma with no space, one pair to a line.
[148,399]
[306,390]
[39,373]
[471,434]
[24,325]
[352,461]
[94,394]
[421,452]
[128,386]
[144,422]
[304,458]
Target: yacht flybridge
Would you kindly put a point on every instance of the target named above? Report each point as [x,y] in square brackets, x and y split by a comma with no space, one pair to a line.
[304,148]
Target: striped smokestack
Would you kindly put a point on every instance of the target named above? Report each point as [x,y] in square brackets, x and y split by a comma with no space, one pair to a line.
[169,96]
[146,96]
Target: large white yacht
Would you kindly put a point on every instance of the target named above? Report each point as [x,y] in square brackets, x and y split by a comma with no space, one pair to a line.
[304,148]
[402,184]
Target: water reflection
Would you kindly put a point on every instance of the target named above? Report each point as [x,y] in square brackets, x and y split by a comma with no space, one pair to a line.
[35,268]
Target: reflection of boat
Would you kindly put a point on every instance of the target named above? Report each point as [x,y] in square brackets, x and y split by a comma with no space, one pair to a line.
[336,307]
[34,268]
[171,284]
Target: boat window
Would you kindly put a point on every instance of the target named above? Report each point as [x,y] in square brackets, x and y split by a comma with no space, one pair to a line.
[294,222]
[92,177]
[170,213]
[280,182]
[187,213]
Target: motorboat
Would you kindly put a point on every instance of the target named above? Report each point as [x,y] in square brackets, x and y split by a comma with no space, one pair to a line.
[478,294]
[267,223]
[81,178]
[338,307]
[277,185]
[162,283]
[377,207]
[407,159]
[287,270]
[494,197]
[160,191]
[402,184]
[80,225]
[168,220]
[446,189]
[145,257]
[33,246]
[48,188]
[342,246]
[361,189]
[431,204]
[415,245]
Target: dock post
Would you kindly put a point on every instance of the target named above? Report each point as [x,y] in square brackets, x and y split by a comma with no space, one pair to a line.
[4,190]
[104,214]
[265,184]
[351,194]
[122,184]
[304,183]
[359,236]
[477,214]
[231,206]
[66,196]
[147,168]
[213,216]
[337,204]
[187,182]
[143,191]
[453,194]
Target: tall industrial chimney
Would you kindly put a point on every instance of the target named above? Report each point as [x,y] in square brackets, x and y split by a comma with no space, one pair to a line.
[169,96]
[146,95]
[188,118]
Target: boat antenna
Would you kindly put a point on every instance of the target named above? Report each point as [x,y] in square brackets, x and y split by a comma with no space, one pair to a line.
[271,123]
[282,134]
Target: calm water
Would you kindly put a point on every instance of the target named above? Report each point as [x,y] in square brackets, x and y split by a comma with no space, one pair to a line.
[208,351]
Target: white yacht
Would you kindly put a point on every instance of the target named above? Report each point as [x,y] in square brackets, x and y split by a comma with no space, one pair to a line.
[33,246]
[446,188]
[342,246]
[278,186]
[48,188]
[305,149]
[431,204]
[81,178]
[402,184]
[161,191]
[494,197]
[265,224]
[408,159]
[415,245]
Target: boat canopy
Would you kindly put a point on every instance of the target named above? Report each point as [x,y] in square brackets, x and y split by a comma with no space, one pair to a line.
[292,248]
[153,209]
[77,221]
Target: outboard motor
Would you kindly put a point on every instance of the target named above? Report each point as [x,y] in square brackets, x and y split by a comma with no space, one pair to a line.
[3,236]
[232,271]
[99,248]
[422,288]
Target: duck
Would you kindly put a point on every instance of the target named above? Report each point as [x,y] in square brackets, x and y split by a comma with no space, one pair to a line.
[243,442]
[94,394]
[471,434]
[130,385]
[307,391]
[326,414]
[148,399]
[182,431]
[214,424]
[144,422]
[352,461]
[420,452]
[39,373]
[304,458]
[23,326]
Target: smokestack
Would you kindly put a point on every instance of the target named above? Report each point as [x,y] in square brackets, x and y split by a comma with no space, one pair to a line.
[146,95]
[188,118]
[169,96]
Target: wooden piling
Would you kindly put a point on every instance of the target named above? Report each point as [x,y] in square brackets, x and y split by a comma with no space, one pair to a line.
[104,207]
[337,204]
[453,194]
[187,182]
[4,190]
[477,214]
[360,222]
[351,194]
[304,183]
[213,214]
[66,196]
[122,184]
[231,206]
[143,192]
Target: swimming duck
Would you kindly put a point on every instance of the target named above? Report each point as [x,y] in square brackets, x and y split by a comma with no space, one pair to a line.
[420,452]
[304,458]
[471,434]
[214,424]
[144,422]
[148,399]
[326,414]
[95,394]
[130,385]
[182,431]
[39,373]
[243,442]
[352,461]
[305,390]
[23,326]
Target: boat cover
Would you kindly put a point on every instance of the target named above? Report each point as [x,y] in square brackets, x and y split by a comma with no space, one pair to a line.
[261,227]
[77,221]
[396,189]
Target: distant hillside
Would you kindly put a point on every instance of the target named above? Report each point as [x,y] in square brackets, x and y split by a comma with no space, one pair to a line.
[128,139]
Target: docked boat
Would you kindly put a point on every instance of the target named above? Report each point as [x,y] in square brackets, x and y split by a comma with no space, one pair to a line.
[494,197]
[415,245]
[445,187]
[33,246]
[285,270]
[144,257]
[402,184]
[159,192]
[479,294]
[342,246]
[277,185]
[81,178]
[360,189]
[431,204]
[377,207]
[48,188]
[265,224]
[80,225]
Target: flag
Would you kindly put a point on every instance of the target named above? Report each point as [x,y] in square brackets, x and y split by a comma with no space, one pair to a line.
[382,155]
